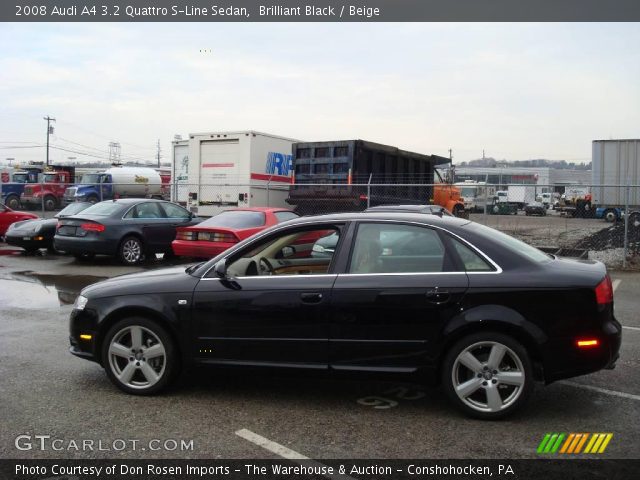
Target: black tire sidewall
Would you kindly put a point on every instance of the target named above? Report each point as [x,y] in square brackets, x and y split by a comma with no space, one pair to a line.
[460,345]
[171,355]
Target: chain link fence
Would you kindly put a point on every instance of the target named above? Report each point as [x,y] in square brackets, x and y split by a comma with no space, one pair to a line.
[599,222]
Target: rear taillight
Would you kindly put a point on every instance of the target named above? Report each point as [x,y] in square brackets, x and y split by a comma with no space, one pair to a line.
[58,225]
[604,291]
[224,237]
[186,235]
[92,227]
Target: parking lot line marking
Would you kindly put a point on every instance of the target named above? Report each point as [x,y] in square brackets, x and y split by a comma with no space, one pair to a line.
[632,328]
[614,393]
[285,452]
[616,283]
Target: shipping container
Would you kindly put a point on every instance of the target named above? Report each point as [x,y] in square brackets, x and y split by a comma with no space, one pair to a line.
[615,164]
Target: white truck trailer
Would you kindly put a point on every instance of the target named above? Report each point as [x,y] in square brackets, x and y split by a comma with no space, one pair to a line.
[615,164]
[235,169]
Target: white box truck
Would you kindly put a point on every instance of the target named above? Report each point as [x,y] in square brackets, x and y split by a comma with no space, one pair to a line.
[236,169]
[615,164]
[180,172]
[518,195]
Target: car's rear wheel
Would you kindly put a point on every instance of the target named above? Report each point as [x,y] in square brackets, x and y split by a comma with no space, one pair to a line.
[139,356]
[50,203]
[13,202]
[131,251]
[488,375]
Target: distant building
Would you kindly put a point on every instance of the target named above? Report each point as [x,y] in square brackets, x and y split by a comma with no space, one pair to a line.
[543,176]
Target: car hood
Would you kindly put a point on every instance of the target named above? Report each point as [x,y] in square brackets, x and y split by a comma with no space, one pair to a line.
[165,280]
[29,226]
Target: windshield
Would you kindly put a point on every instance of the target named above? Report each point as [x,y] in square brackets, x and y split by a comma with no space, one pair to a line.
[50,177]
[103,208]
[468,191]
[20,177]
[91,178]
[235,219]
[508,242]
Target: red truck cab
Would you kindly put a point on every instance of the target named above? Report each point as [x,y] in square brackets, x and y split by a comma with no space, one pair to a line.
[50,191]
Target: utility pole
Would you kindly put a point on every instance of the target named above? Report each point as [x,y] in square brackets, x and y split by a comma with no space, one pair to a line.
[49,132]
[483,153]
[158,154]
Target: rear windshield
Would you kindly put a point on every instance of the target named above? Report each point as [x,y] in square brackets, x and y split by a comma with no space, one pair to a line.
[508,242]
[103,208]
[235,219]
[72,209]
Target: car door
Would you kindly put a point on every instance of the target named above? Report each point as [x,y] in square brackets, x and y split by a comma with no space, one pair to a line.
[394,295]
[176,216]
[267,314]
[151,221]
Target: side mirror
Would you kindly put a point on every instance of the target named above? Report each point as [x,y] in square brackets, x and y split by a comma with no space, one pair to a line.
[288,252]
[220,269]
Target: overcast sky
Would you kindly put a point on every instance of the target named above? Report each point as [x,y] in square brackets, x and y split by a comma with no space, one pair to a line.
[519,91]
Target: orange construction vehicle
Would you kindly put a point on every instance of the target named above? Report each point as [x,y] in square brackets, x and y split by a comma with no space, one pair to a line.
[448,196]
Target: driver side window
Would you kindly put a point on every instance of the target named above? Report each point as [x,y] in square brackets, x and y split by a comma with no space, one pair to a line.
[293,252]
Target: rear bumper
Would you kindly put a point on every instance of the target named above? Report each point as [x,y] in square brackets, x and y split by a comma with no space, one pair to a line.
[203,249]
[90,244]
[563,358]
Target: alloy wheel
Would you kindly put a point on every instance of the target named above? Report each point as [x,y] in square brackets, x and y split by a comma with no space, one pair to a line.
[137,357]
[488,376]
[131,250]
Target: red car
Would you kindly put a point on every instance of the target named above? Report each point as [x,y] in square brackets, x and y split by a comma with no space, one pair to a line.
[213,236]
[8,216]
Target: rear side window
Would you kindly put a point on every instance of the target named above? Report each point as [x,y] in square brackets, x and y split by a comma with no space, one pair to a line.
[381,248]
[284,216]
[174,211]
[236,219]
[470,259]
[145,210]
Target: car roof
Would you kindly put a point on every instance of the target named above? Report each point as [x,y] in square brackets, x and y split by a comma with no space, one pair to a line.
[409,208]
[131,201]
[258,209]
[401,216]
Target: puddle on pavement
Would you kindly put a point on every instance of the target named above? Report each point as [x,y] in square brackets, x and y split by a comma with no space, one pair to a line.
[39,290]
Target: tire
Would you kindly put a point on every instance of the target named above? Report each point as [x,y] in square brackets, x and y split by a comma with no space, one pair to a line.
[13,202]
[486,396]
[457,209]
[131,251]
[50,203]
[634,220]
[125,356]
[610,215]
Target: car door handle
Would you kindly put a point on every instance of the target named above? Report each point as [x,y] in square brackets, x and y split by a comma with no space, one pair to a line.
[438,297]
[311,297]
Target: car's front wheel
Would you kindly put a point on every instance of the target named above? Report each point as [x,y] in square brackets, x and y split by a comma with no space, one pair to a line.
[488,375]
[139,356]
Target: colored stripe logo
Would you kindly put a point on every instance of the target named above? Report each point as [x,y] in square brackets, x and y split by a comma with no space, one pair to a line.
[573,443]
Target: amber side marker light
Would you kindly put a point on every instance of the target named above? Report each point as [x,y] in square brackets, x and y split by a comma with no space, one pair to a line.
[592,342]
[84,336]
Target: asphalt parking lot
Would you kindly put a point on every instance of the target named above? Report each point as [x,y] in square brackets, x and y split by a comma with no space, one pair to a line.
[46,391]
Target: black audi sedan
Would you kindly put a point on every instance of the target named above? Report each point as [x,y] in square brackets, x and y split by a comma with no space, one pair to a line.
[410,296]
[129,229]
[32,235]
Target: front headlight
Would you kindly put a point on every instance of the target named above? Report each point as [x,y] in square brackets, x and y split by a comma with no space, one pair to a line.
[80,303]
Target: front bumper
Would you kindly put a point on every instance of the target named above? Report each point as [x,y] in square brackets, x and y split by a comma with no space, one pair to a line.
[28,241]
[83,322]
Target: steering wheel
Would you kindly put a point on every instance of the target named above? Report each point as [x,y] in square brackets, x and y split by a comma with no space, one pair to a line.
[265,266]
